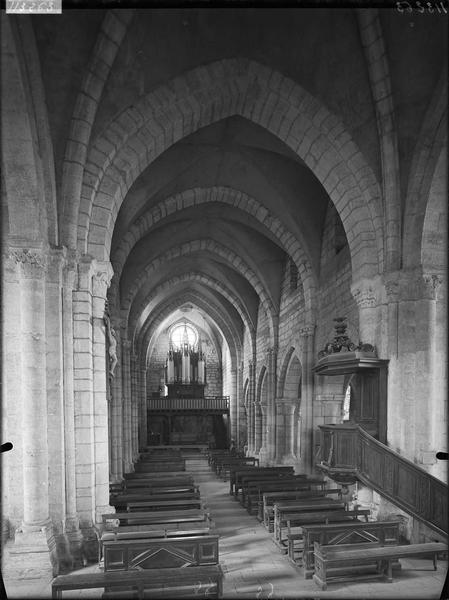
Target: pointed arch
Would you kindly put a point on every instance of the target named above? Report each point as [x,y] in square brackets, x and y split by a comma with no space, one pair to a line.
[208,94]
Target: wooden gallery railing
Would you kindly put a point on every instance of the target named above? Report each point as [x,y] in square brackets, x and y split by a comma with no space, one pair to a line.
[347,451]
[209,403]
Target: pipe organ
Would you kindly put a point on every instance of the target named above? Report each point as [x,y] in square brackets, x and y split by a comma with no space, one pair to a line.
[185,370]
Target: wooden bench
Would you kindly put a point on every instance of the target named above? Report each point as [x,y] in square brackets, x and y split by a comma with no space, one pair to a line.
[353,565]
[205,582]
[160,553]
[156,517]
[254,489]
[152,490]
[237,474]
[224,465]
[156,482]
[160,466]
[178,525]
[123,533]
[120,501]
[317,517]
[161,457]
[154,505]
[287,511]
[269,499]
[157,475]
[384,533]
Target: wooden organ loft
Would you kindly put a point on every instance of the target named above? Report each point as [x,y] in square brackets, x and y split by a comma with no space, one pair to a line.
[184,415]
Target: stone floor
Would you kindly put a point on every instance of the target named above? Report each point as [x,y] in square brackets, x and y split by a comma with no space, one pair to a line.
[255,569]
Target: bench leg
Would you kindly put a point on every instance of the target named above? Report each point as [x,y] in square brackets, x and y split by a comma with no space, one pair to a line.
[434,562]
[389,570]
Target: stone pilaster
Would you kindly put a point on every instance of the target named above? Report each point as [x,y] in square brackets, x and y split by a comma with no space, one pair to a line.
[368,294]
[242,430]
[128,464]
[33,553]
[305,425]
[116,442]
[73,534]
[258,430]
[83,382]
[12,407]
[419,408]
[56,260]
[271,405]
[100,282]
[285,431]
[251,411]
[134,407]
[143,413]
[234,401]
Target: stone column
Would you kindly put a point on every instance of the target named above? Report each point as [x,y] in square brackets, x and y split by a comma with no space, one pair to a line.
[34,546]
[422,370]
[117,443]
[55,400]
[271,405]
[72,530]
[12,409]
[143,417]
[102,278]
[234,400]
[84,403]
[368,295]
[134,407]
[258,420]
[285,431]
[242,430]
[128,464]
[306,441]
[263,452]
[251,412]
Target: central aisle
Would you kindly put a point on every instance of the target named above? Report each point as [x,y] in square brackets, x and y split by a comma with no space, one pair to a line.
[254,568]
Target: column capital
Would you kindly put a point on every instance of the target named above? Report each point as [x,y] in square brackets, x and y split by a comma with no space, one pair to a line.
[367,292]
[70,268]
[307,330]
[32,261]
[418,285]
[126,344]
[56,261]
[432,283]
[392,285]
[103,272]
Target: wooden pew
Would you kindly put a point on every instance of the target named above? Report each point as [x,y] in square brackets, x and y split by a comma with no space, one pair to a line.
[206,582]
[269,499]
[150,490]
[133,532]
[157,475]
[254,490]
[156,517]
[346,563]
[320,516]
[120,501]
[223,465]
[160,481]
[252,481]
[160,457]
[237,473]
[384,533]
[154,506]
[286,511]
[212,453]
[160,553]
[160,466]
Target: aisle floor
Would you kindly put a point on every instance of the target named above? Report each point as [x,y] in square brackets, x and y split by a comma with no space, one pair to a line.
[253,566]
